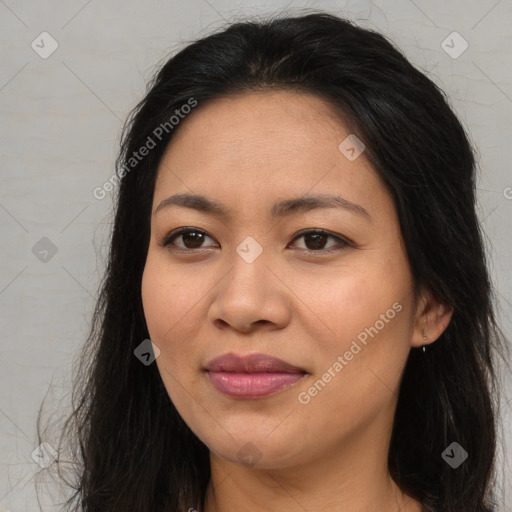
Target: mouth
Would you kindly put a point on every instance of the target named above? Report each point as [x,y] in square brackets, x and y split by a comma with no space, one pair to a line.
[252,376]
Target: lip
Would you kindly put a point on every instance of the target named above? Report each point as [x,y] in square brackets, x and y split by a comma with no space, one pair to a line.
[252,376]
[252,363]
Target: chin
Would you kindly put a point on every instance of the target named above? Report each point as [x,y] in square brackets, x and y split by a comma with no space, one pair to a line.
[258,452]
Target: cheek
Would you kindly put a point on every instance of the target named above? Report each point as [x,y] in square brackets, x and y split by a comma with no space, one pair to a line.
[356,299]
[365,313]
[169,312]
[156,301]
[368,327]
[168,308]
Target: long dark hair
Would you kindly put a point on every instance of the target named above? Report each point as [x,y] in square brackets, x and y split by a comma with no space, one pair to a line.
[134,451]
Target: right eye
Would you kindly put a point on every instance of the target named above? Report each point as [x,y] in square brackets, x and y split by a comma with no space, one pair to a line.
[192,238]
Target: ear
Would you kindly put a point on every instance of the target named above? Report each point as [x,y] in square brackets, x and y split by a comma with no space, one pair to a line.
[431,319]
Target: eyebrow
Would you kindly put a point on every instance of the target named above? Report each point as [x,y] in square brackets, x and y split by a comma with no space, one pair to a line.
[280,209]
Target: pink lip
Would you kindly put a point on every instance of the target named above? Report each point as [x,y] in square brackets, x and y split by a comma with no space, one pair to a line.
[252,376]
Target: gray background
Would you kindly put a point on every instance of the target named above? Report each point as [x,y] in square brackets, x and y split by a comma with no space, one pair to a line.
[61,120]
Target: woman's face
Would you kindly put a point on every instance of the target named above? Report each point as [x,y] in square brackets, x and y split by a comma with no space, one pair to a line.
[338,306]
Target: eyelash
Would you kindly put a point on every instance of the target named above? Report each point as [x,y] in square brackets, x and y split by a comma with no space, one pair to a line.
[168,240]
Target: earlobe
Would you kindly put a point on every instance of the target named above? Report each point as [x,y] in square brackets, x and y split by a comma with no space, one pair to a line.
[431,321]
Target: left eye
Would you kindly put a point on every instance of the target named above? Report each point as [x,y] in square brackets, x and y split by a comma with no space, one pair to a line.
[315,240]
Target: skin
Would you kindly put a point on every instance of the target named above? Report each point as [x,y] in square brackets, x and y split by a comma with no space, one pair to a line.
[305,307]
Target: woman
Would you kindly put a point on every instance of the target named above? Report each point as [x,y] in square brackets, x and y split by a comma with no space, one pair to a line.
[296,234]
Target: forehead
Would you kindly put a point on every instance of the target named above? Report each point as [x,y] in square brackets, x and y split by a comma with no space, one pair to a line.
[260,122]
[278,144]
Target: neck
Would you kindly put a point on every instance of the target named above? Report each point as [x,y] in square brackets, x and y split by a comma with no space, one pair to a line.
[353,478]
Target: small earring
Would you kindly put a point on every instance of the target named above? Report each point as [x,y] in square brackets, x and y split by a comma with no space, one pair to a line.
[424,337]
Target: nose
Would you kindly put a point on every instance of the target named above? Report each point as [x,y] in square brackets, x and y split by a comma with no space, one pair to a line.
[251,295]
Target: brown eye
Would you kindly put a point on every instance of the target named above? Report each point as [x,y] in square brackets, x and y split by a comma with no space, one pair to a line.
[191,238]
[315,241]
